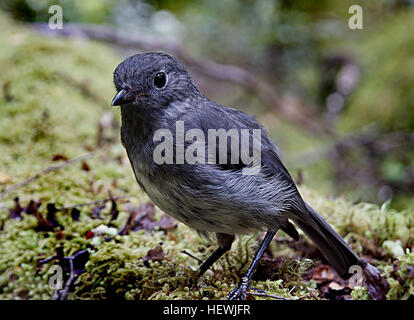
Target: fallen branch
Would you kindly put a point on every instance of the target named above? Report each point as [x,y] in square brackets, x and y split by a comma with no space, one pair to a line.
[264,294]
[44,172]
[224,72]
[68,283]
[192,256]
[91,203]
[81,258]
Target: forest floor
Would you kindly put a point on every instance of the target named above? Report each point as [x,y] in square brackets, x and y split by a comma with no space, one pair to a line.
[69,201]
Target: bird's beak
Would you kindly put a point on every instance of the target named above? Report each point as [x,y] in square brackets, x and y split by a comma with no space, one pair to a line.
[122,97]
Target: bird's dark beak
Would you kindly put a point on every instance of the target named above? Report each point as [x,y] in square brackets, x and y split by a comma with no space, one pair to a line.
[122,97]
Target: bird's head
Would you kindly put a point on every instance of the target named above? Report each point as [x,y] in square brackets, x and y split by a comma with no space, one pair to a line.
[152,80]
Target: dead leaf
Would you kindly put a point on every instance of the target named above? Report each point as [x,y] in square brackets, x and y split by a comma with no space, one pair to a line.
[75,214]
[16,211]
[114,209]
[58,157]
[85,166]
[167,223]
[142,217]
[155,254]
[336,286]
[32,207]
[51,214]
[131,219]
[50,223]
[323,273]
[145,218]
[171,237]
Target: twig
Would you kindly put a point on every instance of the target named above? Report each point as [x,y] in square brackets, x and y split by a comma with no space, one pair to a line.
[264,294]
[62,294]
[48,259]
[264,90]
[68,283]
[44,172]
[128,223]
[102,201]
[192,256]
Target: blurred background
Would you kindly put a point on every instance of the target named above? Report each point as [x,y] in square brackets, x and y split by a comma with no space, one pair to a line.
[338,102]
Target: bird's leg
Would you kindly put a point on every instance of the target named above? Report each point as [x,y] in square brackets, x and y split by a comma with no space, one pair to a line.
[224,244]
[244,284]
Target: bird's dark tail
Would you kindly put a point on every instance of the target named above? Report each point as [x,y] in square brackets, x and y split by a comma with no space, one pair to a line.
[338,253]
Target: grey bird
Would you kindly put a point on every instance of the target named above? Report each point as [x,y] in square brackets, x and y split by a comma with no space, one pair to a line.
[155,91]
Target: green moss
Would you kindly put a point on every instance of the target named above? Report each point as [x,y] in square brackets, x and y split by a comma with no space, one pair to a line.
[401,278]
[360,293]
[57,91]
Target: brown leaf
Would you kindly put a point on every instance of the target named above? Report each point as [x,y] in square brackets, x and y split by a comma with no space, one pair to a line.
[32,207]
[50,222]
[85,166]
[171,237]
[114,209]
[145,218]
[154,254]
[58,157]
[131,219]
[16,211]
[23,294]
[323,273]
[142,217]
[167,223]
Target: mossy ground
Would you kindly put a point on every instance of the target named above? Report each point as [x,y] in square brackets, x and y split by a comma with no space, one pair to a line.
[54,93]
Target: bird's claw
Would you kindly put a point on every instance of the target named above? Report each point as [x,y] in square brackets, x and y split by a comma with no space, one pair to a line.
[241,290]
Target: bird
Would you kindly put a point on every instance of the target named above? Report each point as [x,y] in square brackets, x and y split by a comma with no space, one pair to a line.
[205,179]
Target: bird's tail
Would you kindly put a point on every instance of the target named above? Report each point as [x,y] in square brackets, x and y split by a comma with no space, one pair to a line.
[338,253]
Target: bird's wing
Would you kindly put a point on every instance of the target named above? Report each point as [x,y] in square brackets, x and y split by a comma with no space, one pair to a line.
[219,117]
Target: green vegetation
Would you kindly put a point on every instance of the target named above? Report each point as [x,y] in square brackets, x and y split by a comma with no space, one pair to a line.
[54,93]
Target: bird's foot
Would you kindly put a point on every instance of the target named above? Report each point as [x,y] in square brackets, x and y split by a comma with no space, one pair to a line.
[241,290]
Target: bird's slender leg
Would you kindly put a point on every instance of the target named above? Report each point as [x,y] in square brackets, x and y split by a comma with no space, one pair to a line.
[240,291]
[224,241]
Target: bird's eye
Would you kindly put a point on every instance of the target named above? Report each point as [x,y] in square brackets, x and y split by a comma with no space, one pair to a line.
[160,80]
